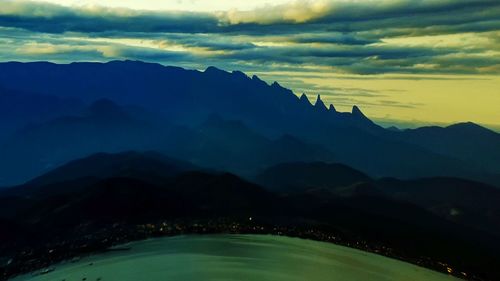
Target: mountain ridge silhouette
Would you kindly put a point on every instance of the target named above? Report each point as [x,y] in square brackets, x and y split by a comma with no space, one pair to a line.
[181,100]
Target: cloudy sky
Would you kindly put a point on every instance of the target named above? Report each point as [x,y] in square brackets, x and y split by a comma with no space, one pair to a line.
[408,62]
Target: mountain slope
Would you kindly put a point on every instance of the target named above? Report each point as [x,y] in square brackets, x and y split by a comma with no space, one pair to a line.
[102,127]
[107,127]
[188,98]
[301,176]
[462,201]
[85,208]
[232,146]
[467,141]
[146,166]
[19,109]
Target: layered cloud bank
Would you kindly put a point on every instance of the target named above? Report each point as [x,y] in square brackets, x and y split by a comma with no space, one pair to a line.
[297,42]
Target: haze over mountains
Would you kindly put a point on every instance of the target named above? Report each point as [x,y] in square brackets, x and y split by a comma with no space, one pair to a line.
[214,118]
[128,120]
[86,145]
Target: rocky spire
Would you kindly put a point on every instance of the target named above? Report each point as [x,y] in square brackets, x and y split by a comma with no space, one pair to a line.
[332,108]
[320,104]
[356,112]
[256,78]
[304,99]
[276,84]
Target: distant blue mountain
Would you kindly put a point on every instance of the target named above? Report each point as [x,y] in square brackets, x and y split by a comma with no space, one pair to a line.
[171,109]
[467,141]
[104,126]
[101,127]
[18,109]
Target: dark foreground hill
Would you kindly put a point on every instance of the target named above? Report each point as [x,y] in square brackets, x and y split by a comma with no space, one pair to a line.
[301,176]
[147,166]
[76,201]
[465,202]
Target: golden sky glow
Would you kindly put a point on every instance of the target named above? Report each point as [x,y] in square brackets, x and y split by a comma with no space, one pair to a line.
[441,99]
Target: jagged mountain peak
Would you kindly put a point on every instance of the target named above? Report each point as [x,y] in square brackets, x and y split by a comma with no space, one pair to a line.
[239,74]
[256,78]
[304,99]
[187,97]
[357,112]
[213,69]
[360,118]
[332,108]
[102,165]
[320,104]
[276,84]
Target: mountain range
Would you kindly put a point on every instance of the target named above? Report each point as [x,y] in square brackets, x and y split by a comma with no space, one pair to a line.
[85,146]
[213,118]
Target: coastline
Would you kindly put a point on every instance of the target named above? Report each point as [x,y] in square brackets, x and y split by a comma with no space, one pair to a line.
[118,235]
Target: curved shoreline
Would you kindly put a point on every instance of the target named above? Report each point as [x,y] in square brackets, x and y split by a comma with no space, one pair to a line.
[51,254]
[262,251]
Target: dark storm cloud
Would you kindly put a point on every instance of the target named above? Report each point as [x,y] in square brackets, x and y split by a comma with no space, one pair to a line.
[333,38]
[335,16]
[348,37]
[208,41]
[376,52]
[358,59]
[52,18]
